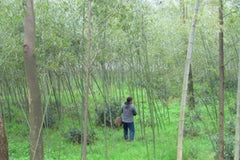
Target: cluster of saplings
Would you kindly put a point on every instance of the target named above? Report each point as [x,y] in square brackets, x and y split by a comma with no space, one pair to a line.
[192,129]
[106,113]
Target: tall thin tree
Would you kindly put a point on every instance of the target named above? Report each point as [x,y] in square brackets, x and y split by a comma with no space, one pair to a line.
[88,70]
[221,85]
[34,96]
[185,83]
[3,142]
[237,130]
[191,100]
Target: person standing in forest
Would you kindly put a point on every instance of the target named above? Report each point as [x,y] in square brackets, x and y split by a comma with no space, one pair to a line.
[128,111]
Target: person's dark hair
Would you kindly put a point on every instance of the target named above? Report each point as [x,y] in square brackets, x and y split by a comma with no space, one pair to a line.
[129,99]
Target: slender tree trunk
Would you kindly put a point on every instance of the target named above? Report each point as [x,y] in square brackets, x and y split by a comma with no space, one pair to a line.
[7,93]
[83,50]
[191,101]
[57,101]
[221,77]
[182,10]
[35,110]
[3,142]
[87,82]
[185,84]
[237,131]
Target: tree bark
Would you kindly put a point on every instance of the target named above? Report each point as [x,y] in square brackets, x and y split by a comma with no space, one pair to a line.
[191,101]
[34,96]
[185,84]
[88,69]
[221,85]
[237,130]
[3,142]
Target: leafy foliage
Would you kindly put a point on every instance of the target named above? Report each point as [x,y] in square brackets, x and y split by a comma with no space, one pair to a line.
[107,113]
[50,119]
[75,135]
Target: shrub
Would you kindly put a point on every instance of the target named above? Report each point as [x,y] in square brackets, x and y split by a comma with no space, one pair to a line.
[228,145]
[50,117]
[75,135]
[191,128]
[107,113]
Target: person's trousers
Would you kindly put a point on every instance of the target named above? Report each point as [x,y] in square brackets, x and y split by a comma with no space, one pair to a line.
[126,127]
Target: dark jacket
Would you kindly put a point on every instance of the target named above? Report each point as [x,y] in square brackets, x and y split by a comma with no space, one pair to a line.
[128,111]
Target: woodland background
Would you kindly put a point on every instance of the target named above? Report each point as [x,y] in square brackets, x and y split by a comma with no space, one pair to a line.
[138,48]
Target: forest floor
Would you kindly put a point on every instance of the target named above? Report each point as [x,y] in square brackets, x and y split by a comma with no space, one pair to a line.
[109,143]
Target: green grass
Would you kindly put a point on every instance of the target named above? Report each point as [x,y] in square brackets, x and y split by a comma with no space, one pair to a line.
[110,144]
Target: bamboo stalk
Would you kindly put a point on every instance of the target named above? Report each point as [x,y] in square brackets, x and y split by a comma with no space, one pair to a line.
[185,84]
